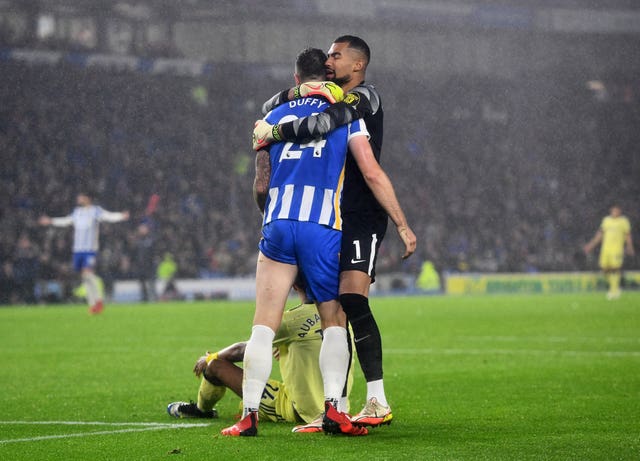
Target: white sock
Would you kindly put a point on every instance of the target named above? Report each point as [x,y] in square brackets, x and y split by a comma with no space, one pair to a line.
[334,361]
[257,366]
[343,405]
[91,285]
[376,389]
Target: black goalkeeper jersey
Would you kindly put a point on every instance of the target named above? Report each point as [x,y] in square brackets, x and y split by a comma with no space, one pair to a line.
[361,102]
[356,196]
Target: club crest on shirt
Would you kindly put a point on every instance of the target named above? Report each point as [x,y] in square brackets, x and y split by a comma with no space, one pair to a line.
[352,99]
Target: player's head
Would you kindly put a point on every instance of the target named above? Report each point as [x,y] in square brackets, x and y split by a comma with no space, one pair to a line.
[356,44]
[310,65]
[347,61]
[615,210]
[143,229]
[84,198]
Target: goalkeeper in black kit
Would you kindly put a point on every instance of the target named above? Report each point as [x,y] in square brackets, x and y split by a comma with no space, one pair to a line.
[364,220]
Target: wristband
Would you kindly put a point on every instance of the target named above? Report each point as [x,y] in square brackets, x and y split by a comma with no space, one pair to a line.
[211,357]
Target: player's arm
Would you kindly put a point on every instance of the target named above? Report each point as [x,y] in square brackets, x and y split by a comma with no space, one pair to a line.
[312,127]
[276,100]
[63,221]
[262,178]
[233,353]
[356,104]
[382,189]
[329,90]
[593,242]
[113,216]
[629,242]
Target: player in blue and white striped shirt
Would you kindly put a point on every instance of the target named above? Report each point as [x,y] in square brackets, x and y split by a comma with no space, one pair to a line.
[299,188]
[307,179]
[85,219]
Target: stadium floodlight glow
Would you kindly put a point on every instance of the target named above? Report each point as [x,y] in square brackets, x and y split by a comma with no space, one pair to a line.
[595,85]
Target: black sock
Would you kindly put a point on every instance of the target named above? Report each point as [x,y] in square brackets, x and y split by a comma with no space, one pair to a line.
[366,334]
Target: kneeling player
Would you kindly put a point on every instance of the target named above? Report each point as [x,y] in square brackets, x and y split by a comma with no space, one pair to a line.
[298,398]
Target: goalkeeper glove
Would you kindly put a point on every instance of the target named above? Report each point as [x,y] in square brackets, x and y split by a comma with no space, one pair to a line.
[329,90]
[264,134]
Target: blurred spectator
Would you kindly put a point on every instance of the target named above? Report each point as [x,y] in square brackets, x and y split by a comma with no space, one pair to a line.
[428,279]
[495,175]
[7,283]
[25,270]
[144,261]
[166,274]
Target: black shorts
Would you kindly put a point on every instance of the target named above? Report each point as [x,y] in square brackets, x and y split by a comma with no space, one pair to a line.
[362,235]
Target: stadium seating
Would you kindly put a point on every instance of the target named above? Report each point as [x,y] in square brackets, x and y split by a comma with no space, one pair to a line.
[494,176]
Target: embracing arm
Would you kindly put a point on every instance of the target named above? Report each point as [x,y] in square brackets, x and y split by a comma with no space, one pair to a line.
[329,90]
[276,100]
[382,189]
[361,102]
[308,128]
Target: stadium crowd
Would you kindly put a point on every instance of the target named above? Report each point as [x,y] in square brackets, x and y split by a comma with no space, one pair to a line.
[494,175]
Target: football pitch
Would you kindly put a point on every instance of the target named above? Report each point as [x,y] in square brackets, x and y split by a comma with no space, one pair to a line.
[535,377]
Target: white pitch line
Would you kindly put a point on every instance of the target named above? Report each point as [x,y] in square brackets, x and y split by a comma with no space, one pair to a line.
[82,434]
[553,339]
[104,423]
[147,427]
[512,352]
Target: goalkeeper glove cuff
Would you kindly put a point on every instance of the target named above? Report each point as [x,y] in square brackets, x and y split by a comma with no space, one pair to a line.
[275,133]
[264,134]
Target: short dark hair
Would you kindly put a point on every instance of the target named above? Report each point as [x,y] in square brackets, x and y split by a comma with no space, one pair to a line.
[86,192]
[310,64]
[356,43]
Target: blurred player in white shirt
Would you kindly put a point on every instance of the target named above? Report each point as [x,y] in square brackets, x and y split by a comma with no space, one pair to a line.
[85,219]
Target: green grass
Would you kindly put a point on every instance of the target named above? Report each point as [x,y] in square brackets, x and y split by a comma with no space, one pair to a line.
[469,378]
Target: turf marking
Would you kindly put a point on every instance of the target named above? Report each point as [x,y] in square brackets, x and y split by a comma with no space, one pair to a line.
[102,423]
[553,339]
[138,427]
[512,352]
